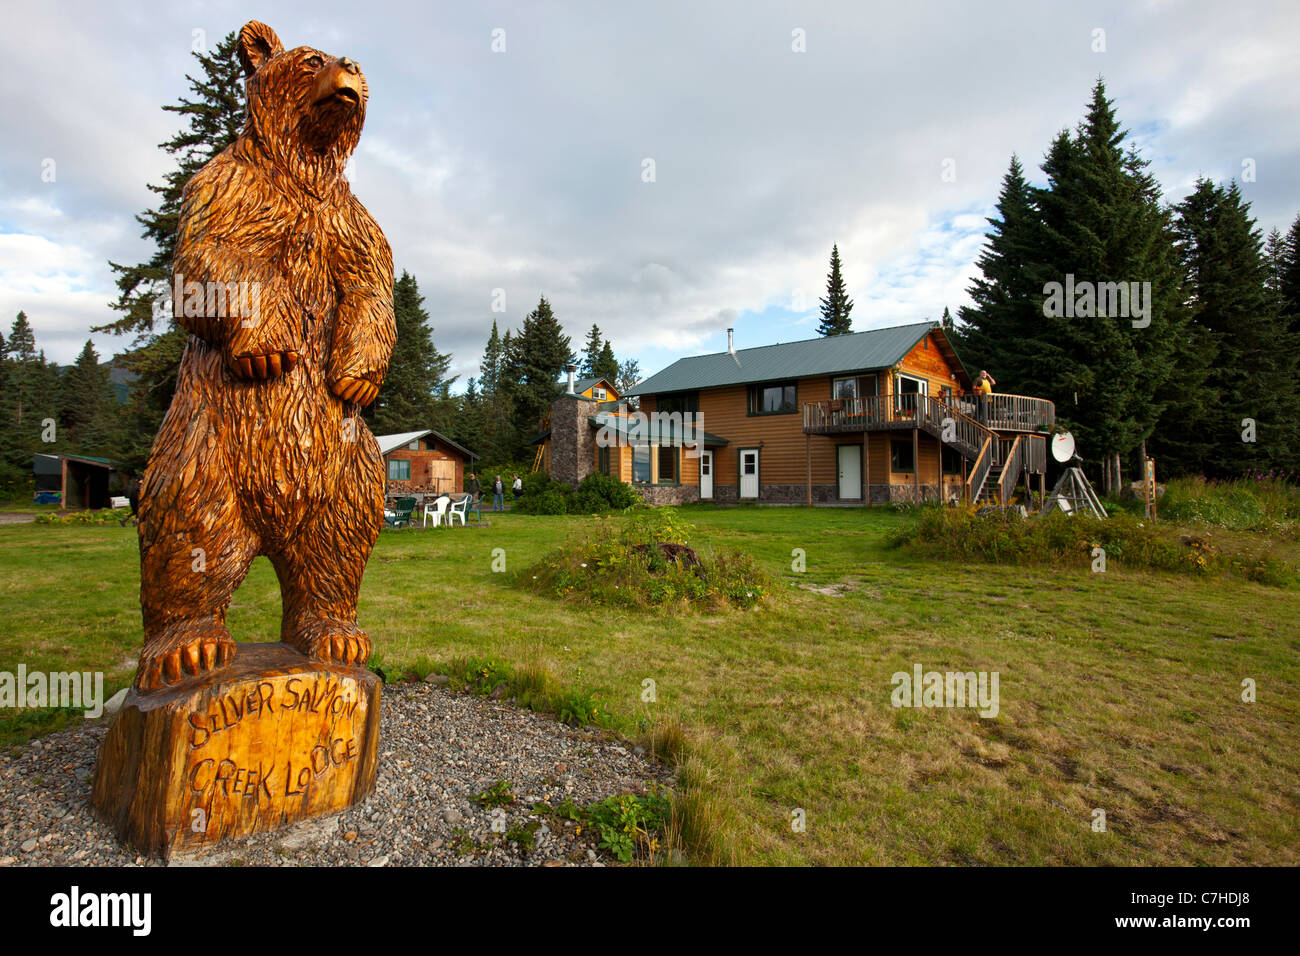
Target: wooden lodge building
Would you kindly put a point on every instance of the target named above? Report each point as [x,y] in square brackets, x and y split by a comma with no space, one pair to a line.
[886,415]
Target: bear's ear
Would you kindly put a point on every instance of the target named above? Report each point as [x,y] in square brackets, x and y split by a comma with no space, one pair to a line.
[257,44]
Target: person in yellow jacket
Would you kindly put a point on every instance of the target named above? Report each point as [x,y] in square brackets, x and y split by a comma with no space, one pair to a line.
[983,389]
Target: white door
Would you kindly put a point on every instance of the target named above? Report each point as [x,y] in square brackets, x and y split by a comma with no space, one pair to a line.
[706,474]
[849,470]
[749,473]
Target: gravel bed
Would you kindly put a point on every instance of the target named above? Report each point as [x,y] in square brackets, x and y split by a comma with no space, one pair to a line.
[440,749]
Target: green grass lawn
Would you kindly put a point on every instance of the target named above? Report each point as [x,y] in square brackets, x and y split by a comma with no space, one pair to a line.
[1119,691]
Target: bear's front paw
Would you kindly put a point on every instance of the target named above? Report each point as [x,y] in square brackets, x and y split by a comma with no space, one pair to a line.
[265,365]
[182,650]
[264,349]
[355,389]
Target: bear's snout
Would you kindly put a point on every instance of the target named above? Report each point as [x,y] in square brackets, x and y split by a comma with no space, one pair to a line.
[340,81]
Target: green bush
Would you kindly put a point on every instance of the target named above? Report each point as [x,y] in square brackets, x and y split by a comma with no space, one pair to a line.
[101,516]
[542,496]
[619,562]
[1129,541]
[1258,502]
[599,493]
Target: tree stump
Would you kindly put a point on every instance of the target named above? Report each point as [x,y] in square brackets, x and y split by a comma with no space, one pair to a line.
[269,739]
[680,553]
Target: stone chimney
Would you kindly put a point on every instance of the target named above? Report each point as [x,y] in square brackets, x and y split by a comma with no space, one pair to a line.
[573,439]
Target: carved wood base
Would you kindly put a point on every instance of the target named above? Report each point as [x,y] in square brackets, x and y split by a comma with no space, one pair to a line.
[267,740]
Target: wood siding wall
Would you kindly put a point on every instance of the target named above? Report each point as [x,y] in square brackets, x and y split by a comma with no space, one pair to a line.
[430,450]
[725,413]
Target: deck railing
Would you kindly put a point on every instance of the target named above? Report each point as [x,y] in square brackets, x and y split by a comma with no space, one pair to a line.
[1019,413]
[911,409]
[1014,460]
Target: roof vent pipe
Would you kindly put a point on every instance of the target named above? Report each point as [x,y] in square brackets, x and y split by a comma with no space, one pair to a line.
[731,341]
[570,368]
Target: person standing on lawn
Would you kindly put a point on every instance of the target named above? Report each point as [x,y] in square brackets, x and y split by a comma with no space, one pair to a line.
[517,486]
[498,494]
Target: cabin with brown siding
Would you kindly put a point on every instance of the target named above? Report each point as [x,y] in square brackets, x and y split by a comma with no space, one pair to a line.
[423,463]
[886,415]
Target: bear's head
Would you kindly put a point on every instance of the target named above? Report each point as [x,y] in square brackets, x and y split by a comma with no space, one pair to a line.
[306,108]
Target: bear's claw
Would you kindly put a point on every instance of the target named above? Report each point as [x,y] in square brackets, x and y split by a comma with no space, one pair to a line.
[267,365]
[184,654]
[337,643]
[352,389]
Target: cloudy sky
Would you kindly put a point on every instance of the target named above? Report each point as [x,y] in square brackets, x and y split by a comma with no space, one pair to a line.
[775,129]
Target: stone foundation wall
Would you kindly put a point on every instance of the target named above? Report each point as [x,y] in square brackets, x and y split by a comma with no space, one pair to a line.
[668,494]
[902,494]
[825,494]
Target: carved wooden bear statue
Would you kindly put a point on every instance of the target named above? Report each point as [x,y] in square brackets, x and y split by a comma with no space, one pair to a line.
[286,286]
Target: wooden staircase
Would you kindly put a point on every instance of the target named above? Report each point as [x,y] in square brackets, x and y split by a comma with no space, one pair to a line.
[998,458]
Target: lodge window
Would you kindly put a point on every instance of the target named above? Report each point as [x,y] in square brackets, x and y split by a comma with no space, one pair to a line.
[951,461]
[684,402]
[641,464]
[599,394]
[901,457]
[668,465]
[399,469]
[414,446]
[602,459]
[773,399]
[853,386]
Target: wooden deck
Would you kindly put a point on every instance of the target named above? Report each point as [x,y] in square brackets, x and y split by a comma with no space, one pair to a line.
[1006,413]
[1009,441]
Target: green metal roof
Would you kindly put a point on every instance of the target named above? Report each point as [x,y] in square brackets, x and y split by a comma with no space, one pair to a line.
[826,355]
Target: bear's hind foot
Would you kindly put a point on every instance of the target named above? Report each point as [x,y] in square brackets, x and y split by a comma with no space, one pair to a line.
[180,651]
[333,641]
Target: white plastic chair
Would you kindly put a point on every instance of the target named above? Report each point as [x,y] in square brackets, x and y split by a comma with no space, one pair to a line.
[437,507]
[458,511]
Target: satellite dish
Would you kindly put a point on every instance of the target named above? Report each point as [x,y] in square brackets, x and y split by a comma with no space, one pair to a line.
[1062,446]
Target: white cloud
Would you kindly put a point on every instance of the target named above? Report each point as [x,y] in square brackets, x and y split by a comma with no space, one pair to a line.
[522,170]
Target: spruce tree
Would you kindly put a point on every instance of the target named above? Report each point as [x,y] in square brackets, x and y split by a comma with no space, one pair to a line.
[214,116]
[836,307]
[1103,223]
[590,353]
[1289,278]
[414,392]
[606,366]
[24,379]
[541,352]
[88,421]
[29,398]
[1001,331]
[494,399]
[1252,368]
